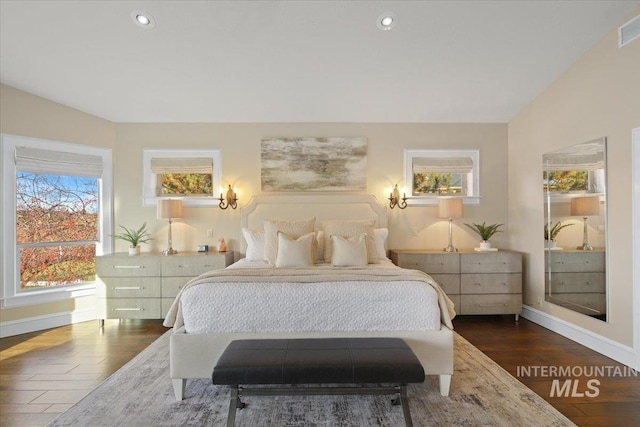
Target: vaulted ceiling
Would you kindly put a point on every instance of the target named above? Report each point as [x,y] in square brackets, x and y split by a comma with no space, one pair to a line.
[297,61]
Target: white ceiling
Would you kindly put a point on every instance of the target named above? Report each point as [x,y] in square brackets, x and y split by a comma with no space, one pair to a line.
[298,61]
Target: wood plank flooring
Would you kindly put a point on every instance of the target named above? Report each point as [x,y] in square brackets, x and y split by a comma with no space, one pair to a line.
[44,373]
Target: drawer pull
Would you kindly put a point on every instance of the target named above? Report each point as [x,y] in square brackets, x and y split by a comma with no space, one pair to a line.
[128,266]
[491,305]
[190,266]
[128,309]
[127,288]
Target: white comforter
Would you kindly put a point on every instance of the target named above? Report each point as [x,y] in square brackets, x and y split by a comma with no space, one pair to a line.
[253,297]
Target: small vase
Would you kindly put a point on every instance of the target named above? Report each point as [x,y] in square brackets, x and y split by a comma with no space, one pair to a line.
[134,250]
[485,245]
[550,244]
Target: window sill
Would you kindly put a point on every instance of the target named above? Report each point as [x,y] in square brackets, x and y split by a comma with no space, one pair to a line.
[433,201]
[49,295]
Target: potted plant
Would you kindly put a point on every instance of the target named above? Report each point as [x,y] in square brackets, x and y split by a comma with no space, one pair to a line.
[485,232]
[134,237]
[551,234]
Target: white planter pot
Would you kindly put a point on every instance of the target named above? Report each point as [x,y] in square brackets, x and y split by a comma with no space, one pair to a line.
[134,250]
[485,244]
[550,244]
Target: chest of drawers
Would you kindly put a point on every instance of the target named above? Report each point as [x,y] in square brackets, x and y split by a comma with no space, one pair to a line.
[476,282]
[144,286]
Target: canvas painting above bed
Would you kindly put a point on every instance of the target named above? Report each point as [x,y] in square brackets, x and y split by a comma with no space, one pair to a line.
[314,164]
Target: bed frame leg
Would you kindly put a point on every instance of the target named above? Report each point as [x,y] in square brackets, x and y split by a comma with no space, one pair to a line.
[178,387]
[445,384]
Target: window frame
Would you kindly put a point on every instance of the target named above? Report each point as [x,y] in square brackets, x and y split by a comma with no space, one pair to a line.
[474,187]
[149,182]
[11,295]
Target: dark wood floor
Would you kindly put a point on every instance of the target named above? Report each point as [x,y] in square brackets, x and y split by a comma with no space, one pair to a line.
[44,373]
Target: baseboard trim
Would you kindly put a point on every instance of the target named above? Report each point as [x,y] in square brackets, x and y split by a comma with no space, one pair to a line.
[616,351]
[39,323]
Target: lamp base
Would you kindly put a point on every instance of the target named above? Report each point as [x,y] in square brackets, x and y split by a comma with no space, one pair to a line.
[169,251]
[450,248]
[585,247]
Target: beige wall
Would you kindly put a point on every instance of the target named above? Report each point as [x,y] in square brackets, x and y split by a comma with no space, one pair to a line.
[25,114]
[414,227]
[598,96]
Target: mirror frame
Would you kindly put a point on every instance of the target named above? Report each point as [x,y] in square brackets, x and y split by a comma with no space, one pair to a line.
[571,260]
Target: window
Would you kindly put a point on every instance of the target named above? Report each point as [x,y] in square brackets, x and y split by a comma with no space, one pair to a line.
[56,209]
[191,174]
[433,173]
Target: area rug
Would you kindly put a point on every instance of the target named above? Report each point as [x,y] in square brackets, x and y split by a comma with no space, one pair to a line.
[141,394]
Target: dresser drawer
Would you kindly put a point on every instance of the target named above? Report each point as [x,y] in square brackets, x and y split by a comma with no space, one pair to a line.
[577,282]
[431,263]
[491,262]
[193,265]
[575,262]
[133,308]
[128,287]
[172,285]
[491,304]
[587,303]
[450,283]
[127,266]
[491,283]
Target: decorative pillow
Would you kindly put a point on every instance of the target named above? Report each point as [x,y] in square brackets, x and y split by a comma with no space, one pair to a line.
[350,229]
[349,251]
[320,246]
[255,244]
[381,235]
[294,229]
[294,252]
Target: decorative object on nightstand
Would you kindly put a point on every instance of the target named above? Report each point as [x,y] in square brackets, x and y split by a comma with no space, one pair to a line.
[134,237]
[584,207]
[485,232]
[450,207]
[222,247]
[394,198]
[231,199]
[169,209]
[551,234]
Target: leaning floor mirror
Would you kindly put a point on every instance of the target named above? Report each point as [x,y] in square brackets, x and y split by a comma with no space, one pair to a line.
[575,205]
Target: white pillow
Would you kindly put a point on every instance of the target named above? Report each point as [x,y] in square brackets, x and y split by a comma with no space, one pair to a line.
[255,244]
[294,229]
[381,235]
[349,251]
[350,229]
[294,252]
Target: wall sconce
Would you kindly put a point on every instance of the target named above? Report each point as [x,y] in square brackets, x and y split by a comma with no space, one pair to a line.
[585,206]
[169,209]
[451,208]
[230,200]
[394,199]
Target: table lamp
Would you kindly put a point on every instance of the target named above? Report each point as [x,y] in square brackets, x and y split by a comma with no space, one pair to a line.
[169,209]
[450,207]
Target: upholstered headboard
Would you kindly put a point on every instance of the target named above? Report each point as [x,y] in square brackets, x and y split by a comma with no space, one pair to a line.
[323,207]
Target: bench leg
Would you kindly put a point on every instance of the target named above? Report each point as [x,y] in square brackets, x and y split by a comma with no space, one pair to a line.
[234,404]
[445,385]
[178,387]
[405,406]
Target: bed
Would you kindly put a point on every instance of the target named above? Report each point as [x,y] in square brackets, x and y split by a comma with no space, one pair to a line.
[252,299]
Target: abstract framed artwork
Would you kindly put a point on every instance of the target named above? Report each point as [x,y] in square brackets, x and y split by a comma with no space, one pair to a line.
[314,164]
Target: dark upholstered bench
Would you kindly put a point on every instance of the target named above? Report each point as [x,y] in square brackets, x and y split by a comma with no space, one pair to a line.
[353,361]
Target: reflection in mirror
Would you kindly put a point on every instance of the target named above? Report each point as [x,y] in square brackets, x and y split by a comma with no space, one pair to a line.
[575,228]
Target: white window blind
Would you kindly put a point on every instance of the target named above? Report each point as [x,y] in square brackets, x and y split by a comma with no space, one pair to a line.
[36,160]
[569,162]
[162,165]
[442,165]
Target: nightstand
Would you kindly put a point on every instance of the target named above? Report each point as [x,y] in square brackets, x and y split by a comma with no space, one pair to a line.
[477,282]
[144,286]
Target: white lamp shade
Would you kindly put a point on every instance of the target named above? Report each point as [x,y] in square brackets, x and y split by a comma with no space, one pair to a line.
[585,206]
[450,207]
[169,209]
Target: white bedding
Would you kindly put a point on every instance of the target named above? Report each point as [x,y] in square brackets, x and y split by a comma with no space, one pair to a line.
[313,306]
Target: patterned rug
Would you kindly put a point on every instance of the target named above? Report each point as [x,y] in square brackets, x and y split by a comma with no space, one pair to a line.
[141,394]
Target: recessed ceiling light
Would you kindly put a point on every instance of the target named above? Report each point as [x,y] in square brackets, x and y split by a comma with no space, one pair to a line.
[386,21]
[143,19]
